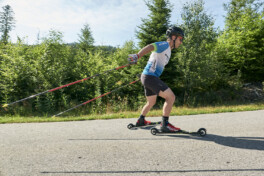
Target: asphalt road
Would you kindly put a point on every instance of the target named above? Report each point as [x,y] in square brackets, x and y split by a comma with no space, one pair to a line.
[234,145]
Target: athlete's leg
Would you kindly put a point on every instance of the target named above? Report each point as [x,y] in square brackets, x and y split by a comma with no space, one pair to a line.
[169,97]
[151,100]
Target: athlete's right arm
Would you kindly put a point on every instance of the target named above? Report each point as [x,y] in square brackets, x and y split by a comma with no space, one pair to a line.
[134,57]
[147,49]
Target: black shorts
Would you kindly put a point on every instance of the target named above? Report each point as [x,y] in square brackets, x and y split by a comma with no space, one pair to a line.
[152,85]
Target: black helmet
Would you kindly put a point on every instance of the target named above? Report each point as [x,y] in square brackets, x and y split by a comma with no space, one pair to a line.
[173,30]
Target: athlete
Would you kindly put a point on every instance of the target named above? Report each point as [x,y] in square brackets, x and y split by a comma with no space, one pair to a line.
[160,56]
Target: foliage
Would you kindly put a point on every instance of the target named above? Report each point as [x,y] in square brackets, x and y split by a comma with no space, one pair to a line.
[197,69]
[28,70]
[7,22]
[241,46]
[206,69]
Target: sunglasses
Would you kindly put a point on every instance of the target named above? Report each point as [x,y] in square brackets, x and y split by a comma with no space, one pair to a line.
[181,38]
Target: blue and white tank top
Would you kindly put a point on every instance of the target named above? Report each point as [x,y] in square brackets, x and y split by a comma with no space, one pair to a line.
[158,59]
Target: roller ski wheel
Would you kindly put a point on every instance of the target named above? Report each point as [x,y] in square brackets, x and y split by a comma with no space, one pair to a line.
[201,132]
[131,125]
[154,131]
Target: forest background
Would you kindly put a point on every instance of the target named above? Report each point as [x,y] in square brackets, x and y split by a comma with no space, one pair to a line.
[212,67]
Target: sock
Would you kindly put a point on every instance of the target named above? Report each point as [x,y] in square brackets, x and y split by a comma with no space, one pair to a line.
[165,120]
[142,117]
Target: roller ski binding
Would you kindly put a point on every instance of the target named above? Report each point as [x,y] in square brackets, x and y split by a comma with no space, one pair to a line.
[171,129]
[142,124]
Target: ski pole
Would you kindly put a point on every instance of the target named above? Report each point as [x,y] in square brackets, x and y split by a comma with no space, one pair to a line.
[95,98]
[66,85]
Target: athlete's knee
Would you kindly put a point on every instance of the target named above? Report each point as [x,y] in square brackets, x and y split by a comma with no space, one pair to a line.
[171,98]
[151,100]
[151,103]
[168,95]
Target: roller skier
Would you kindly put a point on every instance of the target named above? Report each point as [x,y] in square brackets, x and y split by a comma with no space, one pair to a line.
[153,85]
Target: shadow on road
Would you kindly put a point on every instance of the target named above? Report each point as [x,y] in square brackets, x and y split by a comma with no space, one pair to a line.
[250,143]
[157,171]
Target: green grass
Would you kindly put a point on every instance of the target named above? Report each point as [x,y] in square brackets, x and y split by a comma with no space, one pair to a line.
[176,111]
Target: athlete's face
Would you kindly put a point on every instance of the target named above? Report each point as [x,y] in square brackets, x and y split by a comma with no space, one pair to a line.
[178,41]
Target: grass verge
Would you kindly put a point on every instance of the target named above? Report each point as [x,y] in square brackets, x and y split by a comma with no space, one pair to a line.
[176,111]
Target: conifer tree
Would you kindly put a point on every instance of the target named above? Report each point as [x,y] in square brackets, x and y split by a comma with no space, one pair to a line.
[7,22]
[86,40]
[153,29]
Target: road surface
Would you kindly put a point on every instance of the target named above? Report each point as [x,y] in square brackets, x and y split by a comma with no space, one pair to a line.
[234,145]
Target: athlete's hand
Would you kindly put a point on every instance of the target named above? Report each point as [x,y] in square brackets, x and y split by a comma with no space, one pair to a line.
[133,58]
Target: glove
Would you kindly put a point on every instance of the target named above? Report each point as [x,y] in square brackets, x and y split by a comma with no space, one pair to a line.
[133,58]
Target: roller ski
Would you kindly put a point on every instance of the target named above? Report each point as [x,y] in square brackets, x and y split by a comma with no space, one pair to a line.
[142,123]
[171,129]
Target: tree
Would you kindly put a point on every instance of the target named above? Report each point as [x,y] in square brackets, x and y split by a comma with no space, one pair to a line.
[197,69]
[154,28]
[7,22]
[86,40]
[241,45]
